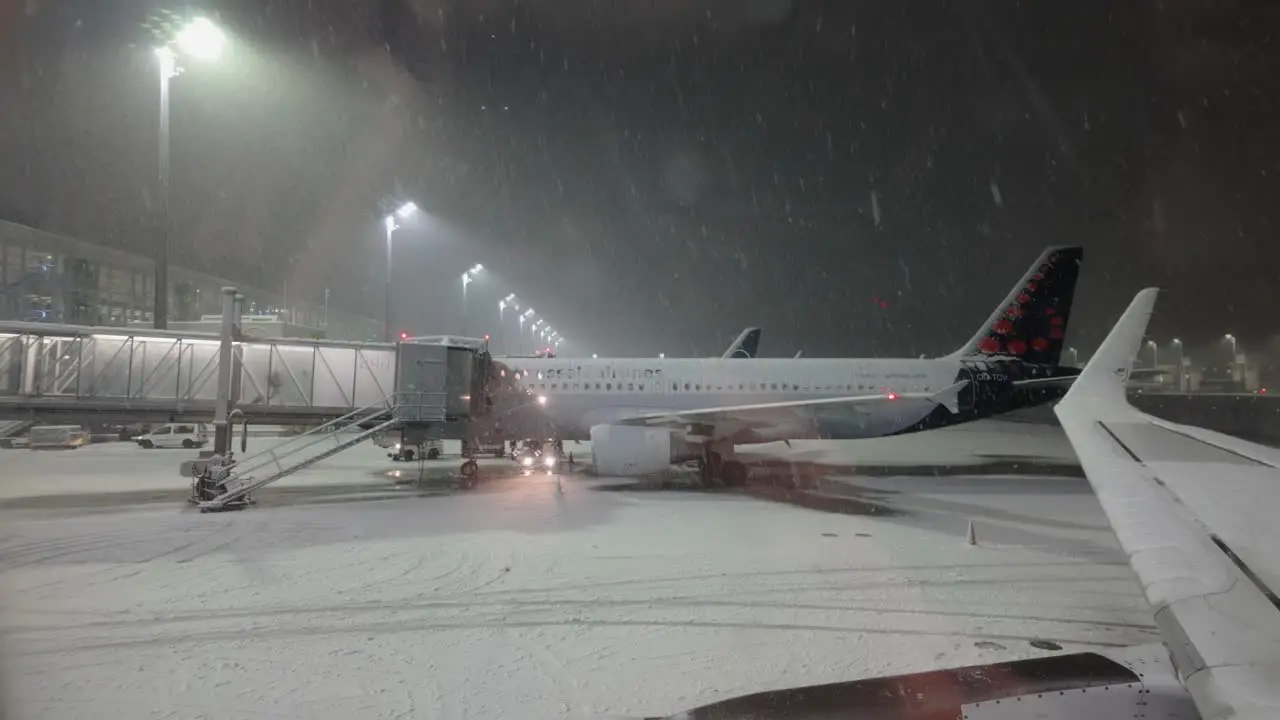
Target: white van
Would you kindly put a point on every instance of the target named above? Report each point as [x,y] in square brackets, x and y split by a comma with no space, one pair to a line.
[175,435]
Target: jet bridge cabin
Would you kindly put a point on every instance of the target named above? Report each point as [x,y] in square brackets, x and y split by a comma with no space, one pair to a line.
[438,383]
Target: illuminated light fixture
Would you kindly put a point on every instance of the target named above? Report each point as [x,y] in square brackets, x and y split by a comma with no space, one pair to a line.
[201,39]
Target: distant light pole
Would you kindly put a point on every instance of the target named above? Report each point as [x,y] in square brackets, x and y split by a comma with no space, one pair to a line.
[389,222]
[1232,366]
[507,302]
[202,40]
[1178,384]
[1155,353]
[1075,357]
[520,336]
[467,278]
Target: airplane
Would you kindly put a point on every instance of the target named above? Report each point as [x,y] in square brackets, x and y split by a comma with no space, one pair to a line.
[745,346]
[642,415]
[1195,512]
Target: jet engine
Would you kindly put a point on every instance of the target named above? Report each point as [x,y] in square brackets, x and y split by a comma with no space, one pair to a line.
[626,450]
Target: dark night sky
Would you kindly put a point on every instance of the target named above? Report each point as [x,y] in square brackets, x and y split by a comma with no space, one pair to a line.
[654,175]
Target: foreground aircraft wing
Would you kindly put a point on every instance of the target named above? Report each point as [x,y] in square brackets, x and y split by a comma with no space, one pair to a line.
[730,420]
[1196,513]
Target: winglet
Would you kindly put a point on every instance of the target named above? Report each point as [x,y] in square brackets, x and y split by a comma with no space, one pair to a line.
[1102,382]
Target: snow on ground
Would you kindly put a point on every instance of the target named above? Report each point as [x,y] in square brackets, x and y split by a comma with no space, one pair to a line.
[966,444]
[522,599]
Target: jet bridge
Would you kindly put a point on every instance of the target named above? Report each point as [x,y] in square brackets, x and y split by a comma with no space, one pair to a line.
[51,372]
[351,391]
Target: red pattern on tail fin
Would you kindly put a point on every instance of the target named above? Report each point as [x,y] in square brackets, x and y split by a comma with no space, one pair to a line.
[1033,323]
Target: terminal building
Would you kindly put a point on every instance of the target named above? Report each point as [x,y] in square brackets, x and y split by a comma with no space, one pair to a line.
[56,279]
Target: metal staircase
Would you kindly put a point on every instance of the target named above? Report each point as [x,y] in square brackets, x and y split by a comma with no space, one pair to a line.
[9,428]
[262,469]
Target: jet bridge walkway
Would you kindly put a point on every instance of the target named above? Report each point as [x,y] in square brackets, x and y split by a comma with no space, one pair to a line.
[62,372]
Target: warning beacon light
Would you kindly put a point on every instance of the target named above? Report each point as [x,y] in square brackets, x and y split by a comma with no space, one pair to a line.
[486,337]
[404,335]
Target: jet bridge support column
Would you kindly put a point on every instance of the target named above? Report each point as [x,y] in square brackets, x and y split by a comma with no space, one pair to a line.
[222,402]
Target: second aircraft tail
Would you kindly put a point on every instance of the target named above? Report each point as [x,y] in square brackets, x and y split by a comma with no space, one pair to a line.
[1031,324]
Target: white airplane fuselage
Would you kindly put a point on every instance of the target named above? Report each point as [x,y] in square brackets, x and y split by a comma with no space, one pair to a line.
[575,394]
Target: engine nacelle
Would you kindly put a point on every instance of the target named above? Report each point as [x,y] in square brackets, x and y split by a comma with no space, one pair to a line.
[626,450]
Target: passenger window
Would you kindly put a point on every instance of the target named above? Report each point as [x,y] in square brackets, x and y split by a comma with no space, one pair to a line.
[640,387]
[686,387]
[631,387]
[608,386]
[675,387]
[775,386]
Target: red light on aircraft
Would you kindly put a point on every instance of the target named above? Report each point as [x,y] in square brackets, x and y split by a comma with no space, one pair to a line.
[486,337]
[892,396]
[404,335]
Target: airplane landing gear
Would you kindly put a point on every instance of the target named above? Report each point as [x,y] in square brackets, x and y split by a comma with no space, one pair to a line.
[718,466]
[733,473]
[470,474]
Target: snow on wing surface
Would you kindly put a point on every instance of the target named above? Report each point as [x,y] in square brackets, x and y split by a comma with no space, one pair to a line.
[769,414]
[1195,514]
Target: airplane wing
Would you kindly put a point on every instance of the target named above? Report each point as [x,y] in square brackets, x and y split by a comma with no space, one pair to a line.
[729,420]
[1196,513]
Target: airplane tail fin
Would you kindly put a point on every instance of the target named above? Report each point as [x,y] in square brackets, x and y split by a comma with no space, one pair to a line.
[1031,324]
[1102,382]
[745,346]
